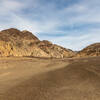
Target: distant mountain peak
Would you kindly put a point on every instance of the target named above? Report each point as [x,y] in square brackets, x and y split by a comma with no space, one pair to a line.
[25,31]
[29,34]
[11,30]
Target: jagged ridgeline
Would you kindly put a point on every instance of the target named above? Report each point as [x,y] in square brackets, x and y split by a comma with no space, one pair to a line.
[14,42]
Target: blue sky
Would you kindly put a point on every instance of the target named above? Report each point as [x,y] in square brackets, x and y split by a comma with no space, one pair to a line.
[73,24]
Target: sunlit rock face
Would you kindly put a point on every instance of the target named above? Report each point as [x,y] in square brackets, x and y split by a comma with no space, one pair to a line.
[91,50]
[14,42]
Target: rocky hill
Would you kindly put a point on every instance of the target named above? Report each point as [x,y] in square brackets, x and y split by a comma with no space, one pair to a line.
[14,42]
[91,50]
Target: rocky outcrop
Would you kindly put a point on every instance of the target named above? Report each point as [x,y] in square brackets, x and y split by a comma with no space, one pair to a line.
[53,50]
[14,42]
[91,50]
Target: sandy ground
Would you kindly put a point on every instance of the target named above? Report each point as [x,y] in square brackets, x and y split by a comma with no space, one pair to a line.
[49,79]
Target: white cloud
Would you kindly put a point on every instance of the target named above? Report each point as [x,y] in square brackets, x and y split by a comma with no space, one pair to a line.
[77,42]
[46,18]
[8,7]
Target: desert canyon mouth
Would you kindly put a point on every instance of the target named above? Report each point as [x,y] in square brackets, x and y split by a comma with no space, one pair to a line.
[31,69]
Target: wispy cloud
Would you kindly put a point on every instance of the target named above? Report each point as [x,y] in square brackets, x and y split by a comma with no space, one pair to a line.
[70,23]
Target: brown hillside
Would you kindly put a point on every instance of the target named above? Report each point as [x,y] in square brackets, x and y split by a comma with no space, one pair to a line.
[14,42]
[91,50]
[54,50]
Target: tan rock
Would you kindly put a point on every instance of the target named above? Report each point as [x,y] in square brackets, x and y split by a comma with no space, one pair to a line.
[23,43]
[91,50]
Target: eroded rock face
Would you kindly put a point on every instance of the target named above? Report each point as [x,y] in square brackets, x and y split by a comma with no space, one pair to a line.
[92,50]
[54,50]
[14,42]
